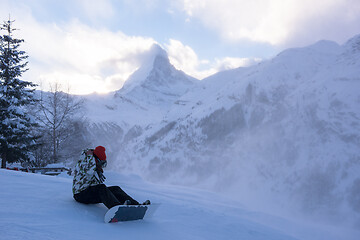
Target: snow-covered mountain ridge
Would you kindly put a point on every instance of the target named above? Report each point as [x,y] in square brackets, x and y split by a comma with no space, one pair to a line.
[145,96]
[285,131]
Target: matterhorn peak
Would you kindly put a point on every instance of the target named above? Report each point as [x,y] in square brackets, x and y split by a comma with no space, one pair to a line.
[147,65]
[155,56]
[156,50]
[156,80]
[160,60]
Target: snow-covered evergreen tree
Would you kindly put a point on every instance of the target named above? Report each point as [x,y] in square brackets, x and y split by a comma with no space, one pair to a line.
[16,139]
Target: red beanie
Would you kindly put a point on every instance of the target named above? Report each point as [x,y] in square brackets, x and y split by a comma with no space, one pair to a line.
[100,153]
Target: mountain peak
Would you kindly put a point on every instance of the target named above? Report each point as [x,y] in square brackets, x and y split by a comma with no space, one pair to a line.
[157,81]
[161,60]
[325,46]
[154,53]
[353,43]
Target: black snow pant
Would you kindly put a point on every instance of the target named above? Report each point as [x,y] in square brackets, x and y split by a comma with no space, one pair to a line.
[110,196]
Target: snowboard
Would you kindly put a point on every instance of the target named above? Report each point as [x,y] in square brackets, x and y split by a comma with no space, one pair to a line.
[123,213]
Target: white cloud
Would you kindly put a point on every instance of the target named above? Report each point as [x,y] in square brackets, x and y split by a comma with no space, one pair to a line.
[86,58]
[184,57]
[231,63]
[278,22]
[91,59]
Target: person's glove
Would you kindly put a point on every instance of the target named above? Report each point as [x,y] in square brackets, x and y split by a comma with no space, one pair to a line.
[100,164]
[99,169]
[101,176]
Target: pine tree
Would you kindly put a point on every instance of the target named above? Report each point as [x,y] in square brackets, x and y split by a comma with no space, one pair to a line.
[16,125]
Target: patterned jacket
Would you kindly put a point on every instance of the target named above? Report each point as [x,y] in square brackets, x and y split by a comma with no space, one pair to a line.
[85,174]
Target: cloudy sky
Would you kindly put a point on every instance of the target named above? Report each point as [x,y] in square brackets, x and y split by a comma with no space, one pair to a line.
[95,45]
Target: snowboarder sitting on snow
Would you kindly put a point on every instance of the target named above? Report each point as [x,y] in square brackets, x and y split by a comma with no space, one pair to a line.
[88,181]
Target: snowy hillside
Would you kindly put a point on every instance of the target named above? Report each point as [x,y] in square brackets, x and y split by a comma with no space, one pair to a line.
[285,131]
[41,207]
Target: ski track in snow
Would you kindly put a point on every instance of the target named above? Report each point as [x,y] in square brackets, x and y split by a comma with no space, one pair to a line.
[34,206]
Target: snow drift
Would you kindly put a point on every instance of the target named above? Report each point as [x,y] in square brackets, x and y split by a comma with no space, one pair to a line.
[34,206]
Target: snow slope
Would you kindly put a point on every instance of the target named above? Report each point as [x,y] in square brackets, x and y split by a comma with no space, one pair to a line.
[41,207]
